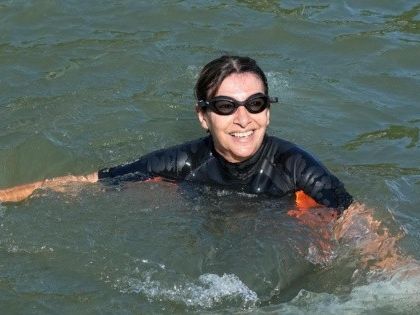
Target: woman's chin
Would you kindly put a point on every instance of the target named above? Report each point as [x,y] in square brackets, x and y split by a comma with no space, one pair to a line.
[244,148]
[242,154]
[238,149]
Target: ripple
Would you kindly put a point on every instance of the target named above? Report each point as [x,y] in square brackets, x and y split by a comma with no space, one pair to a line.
[393,132]
[383,170]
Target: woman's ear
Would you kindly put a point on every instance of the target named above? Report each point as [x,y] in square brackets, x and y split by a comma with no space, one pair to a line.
[202,117]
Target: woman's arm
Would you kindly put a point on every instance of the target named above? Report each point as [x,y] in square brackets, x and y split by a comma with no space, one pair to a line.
[169,163]
[316,181]
[21,192]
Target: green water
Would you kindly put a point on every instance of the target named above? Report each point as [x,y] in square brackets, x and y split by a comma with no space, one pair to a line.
[91,84]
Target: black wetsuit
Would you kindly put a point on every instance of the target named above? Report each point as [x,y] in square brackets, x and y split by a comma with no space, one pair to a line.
[278,168]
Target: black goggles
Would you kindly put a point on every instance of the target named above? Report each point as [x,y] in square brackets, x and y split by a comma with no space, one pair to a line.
[225,105]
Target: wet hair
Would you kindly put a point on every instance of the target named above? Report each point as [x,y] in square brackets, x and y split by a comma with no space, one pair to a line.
[213,74]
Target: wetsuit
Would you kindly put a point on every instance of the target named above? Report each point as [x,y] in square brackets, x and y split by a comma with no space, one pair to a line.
[278,168]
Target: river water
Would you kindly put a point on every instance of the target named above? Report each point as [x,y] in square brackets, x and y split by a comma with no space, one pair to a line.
[91,84]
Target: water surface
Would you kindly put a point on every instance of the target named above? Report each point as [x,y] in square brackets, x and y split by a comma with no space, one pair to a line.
[91,84]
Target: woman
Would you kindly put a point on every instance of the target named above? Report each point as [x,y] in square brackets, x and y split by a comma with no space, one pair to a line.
[233,105]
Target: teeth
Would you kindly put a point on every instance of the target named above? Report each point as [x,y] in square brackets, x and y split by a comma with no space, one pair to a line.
[242,134]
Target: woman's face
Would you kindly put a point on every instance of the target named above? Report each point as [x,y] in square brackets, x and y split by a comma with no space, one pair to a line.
[238,136]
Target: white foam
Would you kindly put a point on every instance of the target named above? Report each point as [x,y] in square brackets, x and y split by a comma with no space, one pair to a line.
[15,249]
[397,190]
[225,192]
[399,294]
[209,290]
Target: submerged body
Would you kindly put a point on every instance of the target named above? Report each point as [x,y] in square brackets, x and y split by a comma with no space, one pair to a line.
[278,168]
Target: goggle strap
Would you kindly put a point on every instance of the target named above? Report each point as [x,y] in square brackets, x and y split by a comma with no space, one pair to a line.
[203,103]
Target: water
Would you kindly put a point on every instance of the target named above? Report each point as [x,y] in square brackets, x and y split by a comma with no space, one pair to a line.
[90,84]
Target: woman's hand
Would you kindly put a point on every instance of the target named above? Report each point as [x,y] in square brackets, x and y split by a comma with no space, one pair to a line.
[358,228]
[19,193]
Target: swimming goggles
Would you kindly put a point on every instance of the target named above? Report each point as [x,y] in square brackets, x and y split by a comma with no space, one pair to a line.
[225,105]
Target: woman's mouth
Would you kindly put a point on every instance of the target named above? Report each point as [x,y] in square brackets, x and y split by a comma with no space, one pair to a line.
[242,134]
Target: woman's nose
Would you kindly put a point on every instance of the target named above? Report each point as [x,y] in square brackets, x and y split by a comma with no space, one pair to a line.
[242,116]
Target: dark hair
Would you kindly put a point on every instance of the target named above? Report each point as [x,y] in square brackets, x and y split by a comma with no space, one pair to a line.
[213,73]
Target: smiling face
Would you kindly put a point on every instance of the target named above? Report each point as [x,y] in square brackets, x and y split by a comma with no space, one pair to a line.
[237,137]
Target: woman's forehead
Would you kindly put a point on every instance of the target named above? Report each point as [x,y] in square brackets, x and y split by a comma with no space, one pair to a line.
[241,85]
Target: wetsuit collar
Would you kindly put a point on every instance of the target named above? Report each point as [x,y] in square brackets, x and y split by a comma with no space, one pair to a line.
[241,170]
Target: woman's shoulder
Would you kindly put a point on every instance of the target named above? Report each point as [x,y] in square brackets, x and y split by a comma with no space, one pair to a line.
[187,154]
[282,146]
[286,152]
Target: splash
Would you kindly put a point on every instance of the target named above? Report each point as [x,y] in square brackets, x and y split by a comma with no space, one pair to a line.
[209,291]
[398,294]
[384,281]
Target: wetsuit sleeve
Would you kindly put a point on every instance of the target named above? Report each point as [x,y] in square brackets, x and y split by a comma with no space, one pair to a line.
[171,163]
[309,175]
